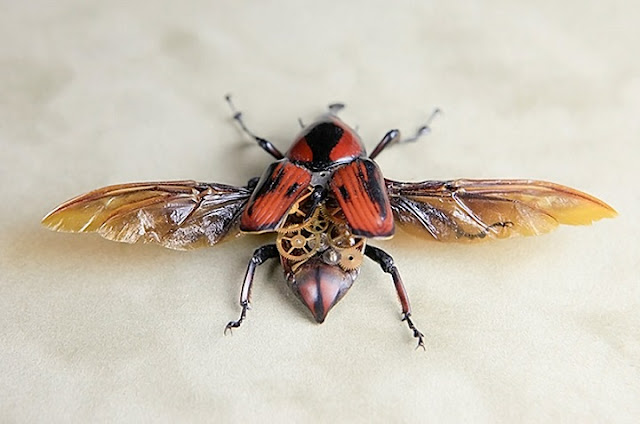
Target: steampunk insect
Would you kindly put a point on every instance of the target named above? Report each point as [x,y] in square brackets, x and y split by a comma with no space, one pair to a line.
[324,199]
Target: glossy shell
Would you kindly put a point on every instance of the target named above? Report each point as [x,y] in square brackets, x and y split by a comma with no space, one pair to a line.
[325,143]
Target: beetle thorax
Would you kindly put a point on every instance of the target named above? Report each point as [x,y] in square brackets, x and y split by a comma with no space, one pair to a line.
[325,143]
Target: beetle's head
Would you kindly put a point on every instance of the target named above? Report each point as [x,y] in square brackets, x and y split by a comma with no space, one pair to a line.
[320,285]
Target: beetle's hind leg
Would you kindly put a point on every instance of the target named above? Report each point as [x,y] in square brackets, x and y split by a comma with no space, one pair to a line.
[393,136]
[261,254]
[386,263]
[265,144]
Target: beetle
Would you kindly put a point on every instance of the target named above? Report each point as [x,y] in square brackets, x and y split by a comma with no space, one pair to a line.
[324,199]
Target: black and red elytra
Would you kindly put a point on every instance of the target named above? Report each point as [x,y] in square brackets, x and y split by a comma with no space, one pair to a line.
[327,146]
[324,199]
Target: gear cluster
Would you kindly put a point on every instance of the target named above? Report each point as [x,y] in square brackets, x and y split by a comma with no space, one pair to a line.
[324,230]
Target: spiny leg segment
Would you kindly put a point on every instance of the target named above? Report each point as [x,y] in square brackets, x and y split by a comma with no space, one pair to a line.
[261,254]
[385,261]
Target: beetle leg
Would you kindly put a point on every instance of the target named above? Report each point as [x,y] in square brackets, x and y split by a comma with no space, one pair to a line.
[389,138]
[386,263]
[261,254]
[265,144]
[393,136]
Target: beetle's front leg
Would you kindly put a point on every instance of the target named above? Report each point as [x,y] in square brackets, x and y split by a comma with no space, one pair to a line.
[265,144]
[393,136]
[261,254]
[386,263]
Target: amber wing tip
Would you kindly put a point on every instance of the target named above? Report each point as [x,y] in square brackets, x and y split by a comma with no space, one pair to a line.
[51,222]
[606,211]
[612,213]
[46,220]
[67,221]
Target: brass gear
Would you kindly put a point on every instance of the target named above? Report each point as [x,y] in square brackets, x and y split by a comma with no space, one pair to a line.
[318,224]
[297,214]
[295,209]
[350,259]
[298,245]
[335,215]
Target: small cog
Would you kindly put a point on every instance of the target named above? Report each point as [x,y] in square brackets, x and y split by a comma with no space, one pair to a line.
[298,246]
[350,259]
[295,221]
[335,215]
[318,224]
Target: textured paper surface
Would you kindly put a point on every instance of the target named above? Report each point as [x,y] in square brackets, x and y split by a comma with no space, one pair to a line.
[527,330]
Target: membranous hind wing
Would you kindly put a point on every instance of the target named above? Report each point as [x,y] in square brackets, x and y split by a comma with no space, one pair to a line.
[178,215]
[468,210]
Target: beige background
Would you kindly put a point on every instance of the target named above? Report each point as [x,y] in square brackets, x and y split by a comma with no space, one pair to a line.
[527,330]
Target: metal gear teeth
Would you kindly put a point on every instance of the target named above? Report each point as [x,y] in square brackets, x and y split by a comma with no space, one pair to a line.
[350,259]
[300,247]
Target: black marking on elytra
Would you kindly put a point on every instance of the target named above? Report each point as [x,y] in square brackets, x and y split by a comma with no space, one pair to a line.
[269,182]
[292,189]
[344,193]
[273,181]
[374,187]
